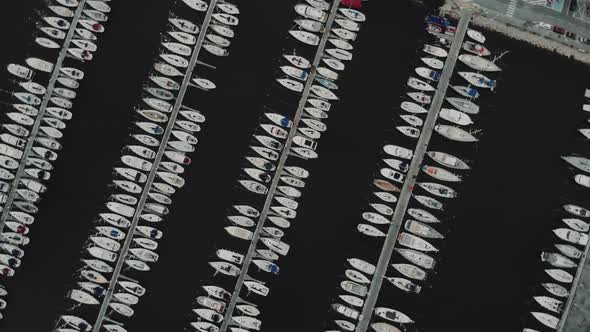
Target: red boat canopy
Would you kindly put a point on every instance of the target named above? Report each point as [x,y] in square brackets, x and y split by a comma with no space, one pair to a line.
[356,4]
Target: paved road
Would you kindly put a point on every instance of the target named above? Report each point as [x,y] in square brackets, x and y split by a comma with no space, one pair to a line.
[35,130]
[148,184]
[406,193]
[279,169]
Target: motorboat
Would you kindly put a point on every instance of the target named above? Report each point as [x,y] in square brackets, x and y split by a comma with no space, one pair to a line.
[433,63]
[276,245]
[341,44]
[577,210]
[305,37]
[557,260]
[323,92]
[345,325]
[290,192]
[476,48]
[398,151]
[476,35]
[299,172]
[315,112]
[345,311]
[405,285]
[344,33]
[427,73]
[417,257]
[215,49]
[339,54]
[396,164]
[410,271]
[585,132]
[248,309]
[226,19]
[40,64]
[384,327]
[448,160]
[382,209]
[348,24]
[352,300]
[417,84]
[423,215]
[412,120]
[166,69]
[478,63]
[420,229]
[311,13]
[546,319]
[455,133]
[478,80]
[386,185]
[247,322]
[392,175]
[362,265]
[414,108]
[240,233]
[577,224]
[334,63]
[393,315]
[569,251]
[464,105]
[174,60]
[555,289]
[385,196]
[454,116]
[184,25]
[209,315]
[438,189]
[580,163]
[353,14]
[415,242]
[560,275]
[354,288]
[228,8]
[225,268]
[571,236]
[434,50]
[440,174]
[549,303]
[420,97]
[375,218]
[76,322]
[465,91]
[247,211]
[189,39]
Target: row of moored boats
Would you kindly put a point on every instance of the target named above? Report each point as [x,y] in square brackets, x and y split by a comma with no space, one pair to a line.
[150,171]
[420,230]
[264,175]
[27,156]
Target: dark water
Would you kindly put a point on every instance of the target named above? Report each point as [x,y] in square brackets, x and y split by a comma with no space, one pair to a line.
[488,264]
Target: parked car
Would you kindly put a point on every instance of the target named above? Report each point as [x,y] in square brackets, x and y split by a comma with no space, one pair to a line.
[543,25]
[570,35]
[558,30]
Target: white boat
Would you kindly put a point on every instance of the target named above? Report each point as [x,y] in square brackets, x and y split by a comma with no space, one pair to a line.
[310,133]
[249,310]
[476,48]
[241,221]
[276,245]
[396,164]
[304,153]
[384,327]
[415,242]
[375,218]
[398,151]
[423,215]
[585,132]
[476,35]
[455,116]
[257,288]
[352,300]
[362,265]
[412,120]
[345,311]
[269,142]
[103,254]
[284,212]
[478,80]
[438,189]
[448,160]
[455,133]
[287,202]
[348,24]
[382,209]
[82,297]
[174,60]
[546,319]
[225,268]
[144,254]
[261,163]
[569,251]
[555,289]
[370,230]
[356,276]
[440,174]
[434,50]
[577,210]
[580,163]
[297,171]
[247,210]
[315,124]
[294,72]
[478,63]
[421,229]
[319,4]
[354,288]
[240,233]
[305,37]
[410,271]
[417,257]
[341,44]
[39,64]
[429,202]
[385,196]
[247,322]
[267,254]
[577,224]
[339,54]
[149,232]
[393,315]
[571,236]
[409,131]
[228,8]
[392,175]
[266,152]
[549,303]
[279,119]
[560,275]
[333,63]
[353,14]
[77,323]
[417,84]
[413,108]
[433,63]
[209,315]
[465,91]
[405,285]
[323,92]
[315,113]
[311,12]
[344,33]
[420,97]
[557,260]
[266,266]
[309,25]
[464,105]
[297,61]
